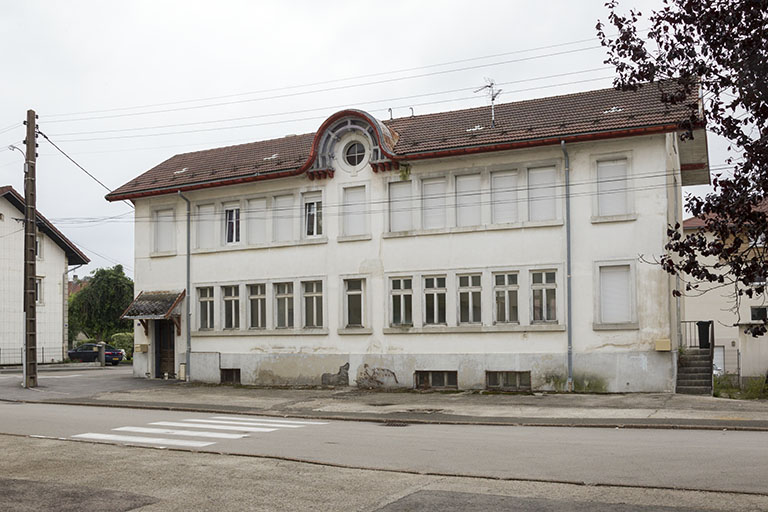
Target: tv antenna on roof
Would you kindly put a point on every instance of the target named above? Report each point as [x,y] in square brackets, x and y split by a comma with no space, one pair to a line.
[493,93]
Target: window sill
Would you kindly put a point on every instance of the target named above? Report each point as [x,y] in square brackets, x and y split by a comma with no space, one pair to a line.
[627,217]
[247,247]
[461,329]
[260,332]
[473,229]
[353,238]
[623,326]
[354,330]
[164,254]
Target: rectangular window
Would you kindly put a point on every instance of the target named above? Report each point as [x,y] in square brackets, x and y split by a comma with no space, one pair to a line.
[353,298]
[469,299]
[468,200]
[313,214]
[434,300]
[354,211]
[257,306]
[400,206]
[206,218]
[205,299]
[541,193]
[39,247]
[436,379]
[509,381]
[231,298]
[433,203]
[165,233]
[313,304]
[615,300]
[504,197]
[544,289]
[232,224]
[283,305]
[505,293]
[256,221]
[758,313]
[401,290]
[282,215]
[612,188]
[39,290]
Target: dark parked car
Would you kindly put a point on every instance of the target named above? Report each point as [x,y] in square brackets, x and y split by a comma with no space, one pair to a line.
[89,352]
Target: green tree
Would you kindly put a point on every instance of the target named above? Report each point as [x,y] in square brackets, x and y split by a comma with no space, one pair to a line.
[95,310]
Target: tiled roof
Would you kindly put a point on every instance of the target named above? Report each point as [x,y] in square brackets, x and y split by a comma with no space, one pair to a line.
[74,255]
[153,305]
[603,111]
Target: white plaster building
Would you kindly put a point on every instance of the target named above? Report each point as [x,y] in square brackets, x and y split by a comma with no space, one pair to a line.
[54,255]
[423,251]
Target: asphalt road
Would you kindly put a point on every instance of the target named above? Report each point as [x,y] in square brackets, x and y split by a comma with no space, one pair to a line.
[707,460]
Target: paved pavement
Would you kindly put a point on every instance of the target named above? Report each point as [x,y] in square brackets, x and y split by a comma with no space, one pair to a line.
[118,388]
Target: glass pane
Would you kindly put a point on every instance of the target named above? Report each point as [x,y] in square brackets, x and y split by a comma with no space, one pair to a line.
[451,379]
[290,312]
[551,314]
[254,313]
[263,313]
[354,284]
[475,280]
[430,309]
[397,317]
[236,310]
[309,311]
[493,379]
[475,306]
[499,279]
[513,306]
[429,282]
[524,379]
[281,320]
[355,310]
[538,304]
[550,277]
[500,307]
[537,278]
[319,214]
[438,379]
[464,281]
[408,319]
[318,312]
[407,284]
[441,308]
[396,284]
[464,307]
[512,278]
[441,282]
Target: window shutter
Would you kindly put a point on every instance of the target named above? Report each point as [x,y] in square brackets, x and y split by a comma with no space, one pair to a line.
[504,197]
[541,193]
[400,206]
[612,188]
[468,200]
[165,235]
[256,221]
[433,203]
[282,212]
[614,294]
[206,220]
[354,211]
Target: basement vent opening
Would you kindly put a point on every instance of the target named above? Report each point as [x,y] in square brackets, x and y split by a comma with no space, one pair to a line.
[436,379]
[230,375]
[508,381]
[391,423]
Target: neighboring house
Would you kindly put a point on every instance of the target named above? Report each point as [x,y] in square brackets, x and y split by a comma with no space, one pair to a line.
[54,255]
[76,284]
[425,251]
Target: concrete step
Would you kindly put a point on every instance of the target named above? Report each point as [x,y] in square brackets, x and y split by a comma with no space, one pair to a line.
[694,390]
[686,378]
[693,369]
[694,383]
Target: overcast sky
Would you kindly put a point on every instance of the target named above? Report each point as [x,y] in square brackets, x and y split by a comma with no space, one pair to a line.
[207,74]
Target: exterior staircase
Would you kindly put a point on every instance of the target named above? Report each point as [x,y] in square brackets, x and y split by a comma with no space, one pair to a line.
[694,372]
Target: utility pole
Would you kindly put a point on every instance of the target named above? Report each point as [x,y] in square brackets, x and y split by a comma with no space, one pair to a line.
[30,258]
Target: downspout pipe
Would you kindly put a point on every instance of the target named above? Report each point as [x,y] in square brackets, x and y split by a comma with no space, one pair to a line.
[569,323]
[187,313]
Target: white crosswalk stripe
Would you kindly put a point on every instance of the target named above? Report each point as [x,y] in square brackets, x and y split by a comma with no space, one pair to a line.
[215,427]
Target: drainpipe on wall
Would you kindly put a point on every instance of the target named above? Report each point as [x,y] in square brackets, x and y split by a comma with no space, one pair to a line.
[187,313]
[568,325]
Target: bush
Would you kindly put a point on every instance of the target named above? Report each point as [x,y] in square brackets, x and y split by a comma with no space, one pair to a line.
[123,340]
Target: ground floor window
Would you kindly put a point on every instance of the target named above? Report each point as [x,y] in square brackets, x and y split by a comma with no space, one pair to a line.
[436,379]
[509,381]
[544,292]
[205,299]
[313,303]
[283,305]
[353,302]
[231,298]
[401,290]
[257,301]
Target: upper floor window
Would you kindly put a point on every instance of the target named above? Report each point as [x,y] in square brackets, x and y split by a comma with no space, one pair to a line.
[612,188]
[433,203]
[401,290]
[256,220]
[39,290]
[544,292]
[205,299]
[313,303]
[354,154]
[205,226]
[469,299]
[468,200]
[434,300]
[504,196]
[231,298]
[231,224]
[313,214]
[282,215]
[541,193]
[505,293]
[165,235]
[257,302]
[400,206]
[354,211]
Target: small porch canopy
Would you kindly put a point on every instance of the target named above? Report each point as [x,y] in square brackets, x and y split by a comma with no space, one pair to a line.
[155,306]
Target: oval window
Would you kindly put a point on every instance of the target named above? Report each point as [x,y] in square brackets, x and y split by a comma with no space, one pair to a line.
[354,154]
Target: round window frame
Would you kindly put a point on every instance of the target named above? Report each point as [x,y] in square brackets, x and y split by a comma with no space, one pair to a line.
[362,156]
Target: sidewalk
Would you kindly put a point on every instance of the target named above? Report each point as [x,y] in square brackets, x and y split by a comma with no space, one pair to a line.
[657,410]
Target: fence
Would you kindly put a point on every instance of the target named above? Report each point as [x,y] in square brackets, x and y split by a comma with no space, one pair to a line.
[697,334]
[14,356]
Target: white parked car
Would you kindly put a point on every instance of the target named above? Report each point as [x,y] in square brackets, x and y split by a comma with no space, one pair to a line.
[717,371]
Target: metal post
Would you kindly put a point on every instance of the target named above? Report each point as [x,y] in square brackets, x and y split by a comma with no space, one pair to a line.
[30,259]
[188,314]
[569,321]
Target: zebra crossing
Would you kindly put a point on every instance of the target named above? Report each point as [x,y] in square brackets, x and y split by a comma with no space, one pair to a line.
[195,432]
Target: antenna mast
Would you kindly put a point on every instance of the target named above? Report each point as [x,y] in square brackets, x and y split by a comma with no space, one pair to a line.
[493,93]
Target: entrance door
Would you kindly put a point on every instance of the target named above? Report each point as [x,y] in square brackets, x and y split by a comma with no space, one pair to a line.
[164,348]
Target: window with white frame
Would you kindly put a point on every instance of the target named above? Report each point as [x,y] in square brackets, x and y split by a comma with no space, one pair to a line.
[257,306]
[354,211]
[470,291]
[354,302]
[468,200]
[433,192]
[256,220]
[434,300]
[313,214]
[505,290]
[313,304]
[230,295]
[206,226]
[165,233]
[615,294]
[39,247]
[400,206]
[504,196]
[544,296]
[282,215]
[401,291]
[39,290]
[205,301]
[232,224]
[283,305]
[612,197]
[541,193]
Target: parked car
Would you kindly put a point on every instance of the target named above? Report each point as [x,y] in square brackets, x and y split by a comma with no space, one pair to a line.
[89,352]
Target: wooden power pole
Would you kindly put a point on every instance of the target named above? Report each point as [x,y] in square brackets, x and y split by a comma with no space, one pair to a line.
[30,258]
